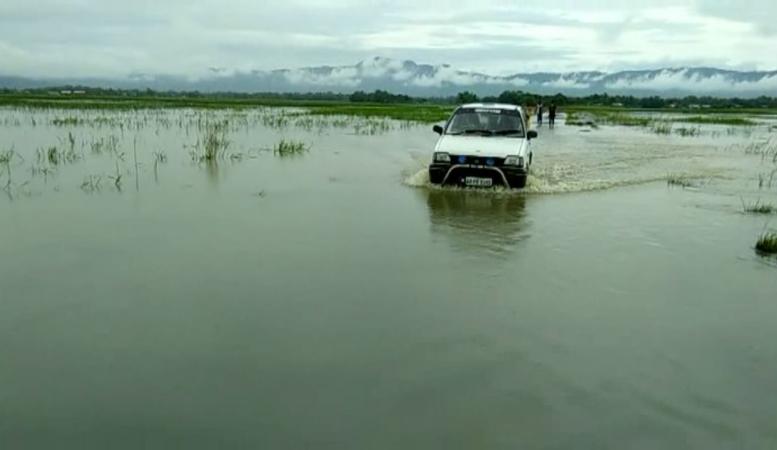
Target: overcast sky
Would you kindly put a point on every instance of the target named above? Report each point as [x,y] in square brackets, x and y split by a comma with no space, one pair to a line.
[186,37]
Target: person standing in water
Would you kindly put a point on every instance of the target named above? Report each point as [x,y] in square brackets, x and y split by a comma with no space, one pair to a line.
[539,115]
[552,115]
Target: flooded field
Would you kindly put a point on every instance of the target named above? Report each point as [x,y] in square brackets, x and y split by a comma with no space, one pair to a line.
[271,279]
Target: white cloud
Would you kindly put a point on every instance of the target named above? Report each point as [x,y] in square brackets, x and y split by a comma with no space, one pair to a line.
[115,37]
[566,83]
[684,80]
[338,77]
[447,74]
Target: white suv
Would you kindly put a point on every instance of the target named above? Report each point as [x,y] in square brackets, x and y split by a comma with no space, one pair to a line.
[483,145]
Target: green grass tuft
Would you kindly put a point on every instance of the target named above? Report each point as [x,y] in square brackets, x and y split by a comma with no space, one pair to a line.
[6,156]
[214,143]
[662,127]
[760,208]
[718,120]
[679,180]
[767,244]
[688,132]
[415,113]
[286,148]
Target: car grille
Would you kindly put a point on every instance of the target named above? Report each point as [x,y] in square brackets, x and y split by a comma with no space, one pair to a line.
[477,160]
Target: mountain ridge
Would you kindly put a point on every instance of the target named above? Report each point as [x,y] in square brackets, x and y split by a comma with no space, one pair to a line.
[411,78]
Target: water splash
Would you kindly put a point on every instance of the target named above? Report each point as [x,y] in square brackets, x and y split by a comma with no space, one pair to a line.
[569,162]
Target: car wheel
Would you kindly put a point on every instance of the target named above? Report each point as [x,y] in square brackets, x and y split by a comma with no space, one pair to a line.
[436,176]
[520,182]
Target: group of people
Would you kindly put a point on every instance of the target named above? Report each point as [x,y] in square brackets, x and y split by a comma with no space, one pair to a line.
[551,115]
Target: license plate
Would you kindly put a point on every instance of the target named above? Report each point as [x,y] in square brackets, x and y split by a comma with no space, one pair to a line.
[479,182]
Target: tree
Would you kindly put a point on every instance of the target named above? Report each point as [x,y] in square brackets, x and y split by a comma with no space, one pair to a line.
[517,98]
[466,97]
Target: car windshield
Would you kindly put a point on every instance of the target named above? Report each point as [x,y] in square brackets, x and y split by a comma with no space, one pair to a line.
[486,122]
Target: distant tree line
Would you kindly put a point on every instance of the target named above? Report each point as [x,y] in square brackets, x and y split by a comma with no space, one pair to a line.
[385,97]
[380,97]
[627,101]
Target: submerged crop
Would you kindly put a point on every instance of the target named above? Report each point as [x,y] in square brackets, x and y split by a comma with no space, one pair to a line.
[286,148]
[767,243]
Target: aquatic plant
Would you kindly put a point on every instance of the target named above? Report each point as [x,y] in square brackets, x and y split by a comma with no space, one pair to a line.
[72,140]
[587,116]
[628,120]
[55,156]
[160,157]
[662,128]
[767,243]
[6,156]
[718,120]
[417,113]
[117,178]
[286,148]
[679,180]
[66,121]
[759,208]
[52,154]
[41,170]
[91,183]
[580,119]
[688,132]
[5,160]
[213,144]
[766,180]
[371,127]
[111,144]
[278,120]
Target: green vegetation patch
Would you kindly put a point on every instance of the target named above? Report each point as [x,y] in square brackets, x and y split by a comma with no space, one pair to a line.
[6,156]
[760,208]
[679,180]
[415,113]
[286,148]
[718,120]
[767,244]
[581,115]
[213,144]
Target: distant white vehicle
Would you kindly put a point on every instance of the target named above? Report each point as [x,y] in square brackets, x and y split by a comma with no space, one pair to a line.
[483,145]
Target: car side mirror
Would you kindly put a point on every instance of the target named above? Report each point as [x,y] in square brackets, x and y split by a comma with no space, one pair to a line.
[437,129]
[532,134]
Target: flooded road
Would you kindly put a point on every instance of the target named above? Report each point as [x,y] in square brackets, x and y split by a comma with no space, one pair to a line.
[333,300]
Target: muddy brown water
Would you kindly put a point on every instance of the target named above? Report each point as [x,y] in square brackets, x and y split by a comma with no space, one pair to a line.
[334,300]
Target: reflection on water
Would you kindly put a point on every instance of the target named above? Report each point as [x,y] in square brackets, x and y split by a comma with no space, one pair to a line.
[478,222]
[213,171]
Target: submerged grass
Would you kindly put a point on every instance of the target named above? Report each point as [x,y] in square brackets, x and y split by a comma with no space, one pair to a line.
[658,125]
[594,116]
[718,120]
[662,128]
[688,132]
[286,148]
[6,156]
[759,208]
[91,183]
[213,144]
[54,155]
[679,180]
[421,112]
[767,243]
[415,112]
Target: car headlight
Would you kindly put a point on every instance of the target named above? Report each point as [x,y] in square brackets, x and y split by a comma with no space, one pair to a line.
[442,157]
[514,161]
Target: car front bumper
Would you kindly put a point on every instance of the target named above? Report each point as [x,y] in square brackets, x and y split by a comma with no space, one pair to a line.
[456,174]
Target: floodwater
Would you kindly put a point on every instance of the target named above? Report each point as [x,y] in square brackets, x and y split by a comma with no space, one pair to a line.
[333,300]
